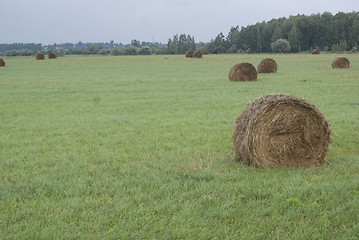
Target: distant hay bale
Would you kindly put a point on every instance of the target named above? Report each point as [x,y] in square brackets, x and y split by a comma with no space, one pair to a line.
[243,72]
[2,62]
[189,54]
[340,62]
[267,65]
[281,130]
[197,54]
[315,51]
[40,56]
[52,55]
[205,52]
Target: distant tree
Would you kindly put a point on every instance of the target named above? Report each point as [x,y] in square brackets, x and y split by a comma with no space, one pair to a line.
[339,47]
[20,46]
[66,45]
[144,50]
[60,52]
[77,51]
[131,50]
[93,49]
[277,34]
[80,45]
[171,47]
[116,51]
[293,38]
[280,46]
[104,51]
[218,45]
[136,43]
[158,50]
[180,44]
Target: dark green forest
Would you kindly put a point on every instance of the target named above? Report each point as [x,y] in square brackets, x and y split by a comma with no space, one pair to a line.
[327,32]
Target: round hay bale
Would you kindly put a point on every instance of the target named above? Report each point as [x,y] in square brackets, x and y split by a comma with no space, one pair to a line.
[52,55]
[2,62]
[243,72]
[189,54]
[281,130]
[40,56]
[205,52]
[267,65]
[197,54]
[340,62]
[315,51]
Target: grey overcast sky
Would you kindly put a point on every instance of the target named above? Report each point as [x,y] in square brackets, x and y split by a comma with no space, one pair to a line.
[54,21]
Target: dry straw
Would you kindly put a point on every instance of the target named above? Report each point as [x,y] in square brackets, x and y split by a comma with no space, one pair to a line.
[340,62]
[189,54]
[197,54]
[205,52]
[315,51]
[2,62]
[40,56]
[267,65]
[281,130]
[243,72]
[52,55]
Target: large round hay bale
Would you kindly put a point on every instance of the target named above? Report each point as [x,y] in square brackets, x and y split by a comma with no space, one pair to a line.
[281,130]
[243,72]
[267,65]
[205,52]
[40,56]
[52,55]
[197,54]
[340,62]
[2,62]
[189,54]
[315,51]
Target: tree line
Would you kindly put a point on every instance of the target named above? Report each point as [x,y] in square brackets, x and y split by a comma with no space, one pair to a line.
[80,48]
[325,31]
[179,44]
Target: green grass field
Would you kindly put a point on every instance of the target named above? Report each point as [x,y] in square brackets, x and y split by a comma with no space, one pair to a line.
[139,147]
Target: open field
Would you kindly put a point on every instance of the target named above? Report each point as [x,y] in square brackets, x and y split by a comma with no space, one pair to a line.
[139,147]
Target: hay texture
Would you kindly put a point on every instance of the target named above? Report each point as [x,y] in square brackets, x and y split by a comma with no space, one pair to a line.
[2,62]
[205,52]
[315,51]
[243,72]
[340,62]
[52,55]
[197,54]
[189,54]
[267,65]
[40,56]
[281,130]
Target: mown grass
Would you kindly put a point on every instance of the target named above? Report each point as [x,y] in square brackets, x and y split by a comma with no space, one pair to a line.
[139,147]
